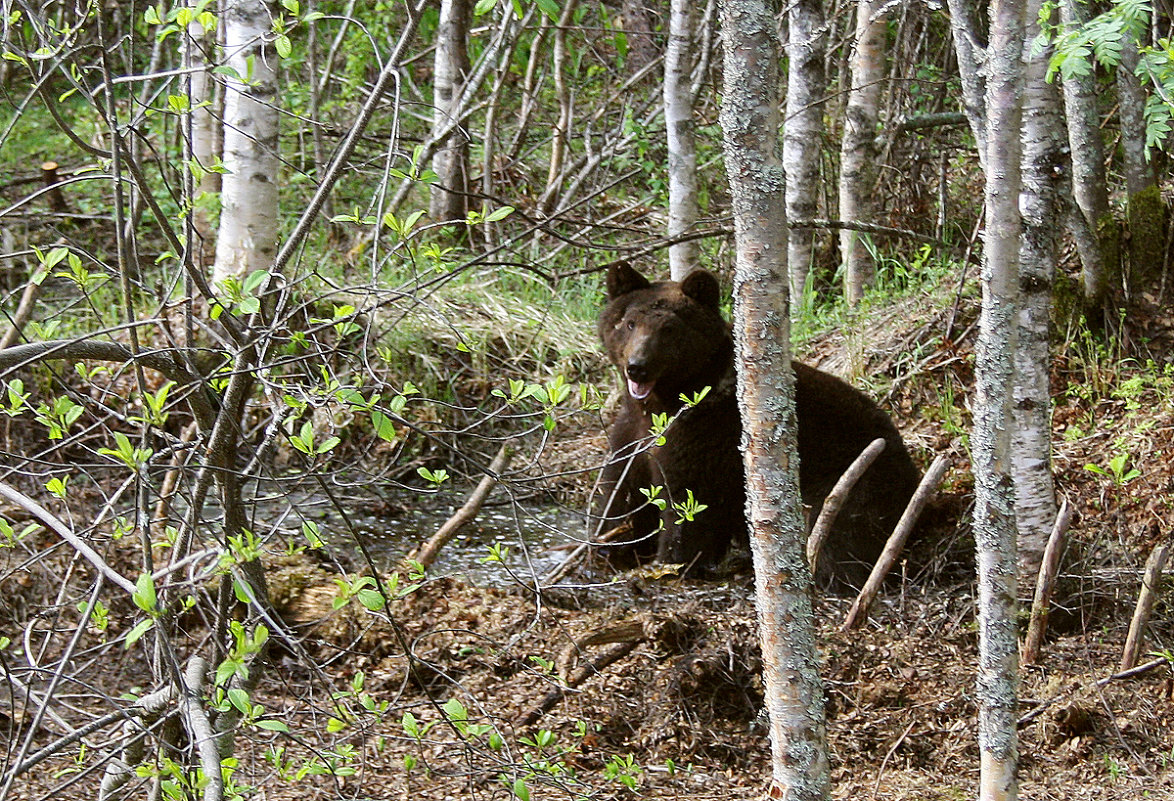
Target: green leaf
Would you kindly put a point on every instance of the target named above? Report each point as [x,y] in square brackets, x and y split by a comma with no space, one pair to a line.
[138,631]
[312,534]
[240,699]
[371,599]
[144,595]
[455,710]
[384,427]
[499,214]
[273,725]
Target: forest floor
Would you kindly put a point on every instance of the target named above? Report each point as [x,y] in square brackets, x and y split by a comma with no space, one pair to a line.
[645,686]
[656,680]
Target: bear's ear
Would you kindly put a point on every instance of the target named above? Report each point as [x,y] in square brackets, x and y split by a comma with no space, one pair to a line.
[622,279]
[701,285]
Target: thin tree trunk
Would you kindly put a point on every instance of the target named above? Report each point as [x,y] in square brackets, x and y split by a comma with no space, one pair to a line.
[802,133]
[750,124]
[679,136]
[503,79]
[566,105]
[994,512]
[857,154]
[968,48]
[247,239]
[198,51]
[448,199]
[1098,254]
[1144,209]
[1139,172]
[315,102]
[1044,146]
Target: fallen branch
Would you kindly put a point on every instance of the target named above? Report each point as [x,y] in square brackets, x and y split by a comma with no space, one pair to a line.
[21,316]
[1041,603]
[1044,705]
[578,677]
[426,554]
[835,500]
[1135,671]
[1145,604]
[929,484]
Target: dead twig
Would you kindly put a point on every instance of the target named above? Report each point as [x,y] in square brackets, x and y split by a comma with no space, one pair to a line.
[1135,671]
[547,703]
[835,500]
[1040,604]
[928,486]
[426,554]
[66,533]
[1145,604]
[24,310]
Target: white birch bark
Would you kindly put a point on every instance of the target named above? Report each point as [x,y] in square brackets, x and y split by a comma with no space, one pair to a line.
[198,56]
[857,154]
[679,137]
[1089,184]
[802,133]
[247,239]
[964,29]
[750,124]
[994,510]
[562,130]
[448,197]
[1044,159]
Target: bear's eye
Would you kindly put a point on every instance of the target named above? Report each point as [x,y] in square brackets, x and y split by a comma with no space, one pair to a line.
[631,325]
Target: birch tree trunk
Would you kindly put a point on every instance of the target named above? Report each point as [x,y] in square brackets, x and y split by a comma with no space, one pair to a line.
[448,198]
[750,124]
[562,131]
[1143,206]
[994,510]
[857,154]
[247,239]
[967,47]
[1044,159]
[198,52]
[802,133]
[1098,246]
[679,135]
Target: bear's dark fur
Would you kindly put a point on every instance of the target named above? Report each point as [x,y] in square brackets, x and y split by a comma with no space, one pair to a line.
[669,338]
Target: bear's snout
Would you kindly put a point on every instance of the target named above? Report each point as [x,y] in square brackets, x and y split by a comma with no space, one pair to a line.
[638,371]
[640,380]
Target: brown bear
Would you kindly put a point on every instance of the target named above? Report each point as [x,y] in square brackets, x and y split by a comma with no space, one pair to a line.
[669,339]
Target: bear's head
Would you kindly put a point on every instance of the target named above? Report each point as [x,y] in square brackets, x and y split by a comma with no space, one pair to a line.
[667,337]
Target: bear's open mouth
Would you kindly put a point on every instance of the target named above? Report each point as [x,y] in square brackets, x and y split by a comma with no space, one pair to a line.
[639,391]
